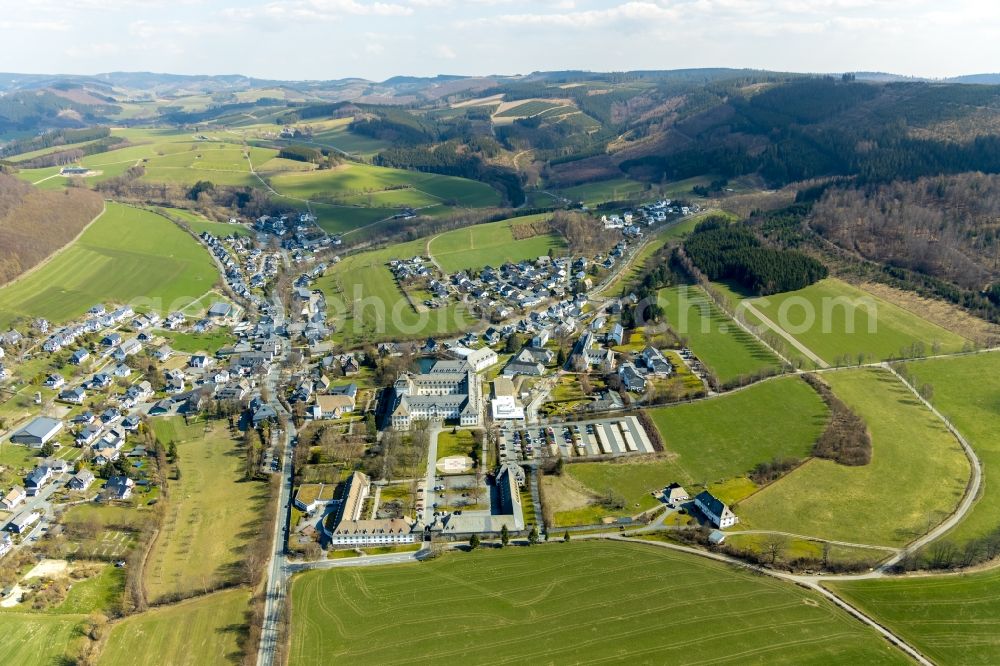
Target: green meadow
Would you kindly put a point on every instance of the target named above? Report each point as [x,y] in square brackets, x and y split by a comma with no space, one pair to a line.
[127,256]
[570,603]
[834,319]
[911,452]
[491,244]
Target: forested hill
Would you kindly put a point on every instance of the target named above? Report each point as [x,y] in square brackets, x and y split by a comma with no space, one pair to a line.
[36,223]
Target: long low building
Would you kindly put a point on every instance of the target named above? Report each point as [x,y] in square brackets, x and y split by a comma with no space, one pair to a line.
[37,433]
[451,390]
[363,533]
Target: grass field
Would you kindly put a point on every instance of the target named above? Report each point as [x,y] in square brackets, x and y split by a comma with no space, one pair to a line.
[491,245]
[199,224]
[967,391]
[569,603]
[707,443]
[353,179]
[833,319]
[727,350]
[127,256]
[911,452]
[341,138]
[530,108]
[616,189]
[211,512]
[206,630]
[34,639]
[366,304]
[950,619]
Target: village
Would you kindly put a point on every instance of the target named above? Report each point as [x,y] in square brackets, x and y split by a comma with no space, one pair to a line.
[478,412]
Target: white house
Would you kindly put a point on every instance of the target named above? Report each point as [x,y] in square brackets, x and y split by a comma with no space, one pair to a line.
[715,510]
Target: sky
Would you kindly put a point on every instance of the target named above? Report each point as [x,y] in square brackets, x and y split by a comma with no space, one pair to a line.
[376,39]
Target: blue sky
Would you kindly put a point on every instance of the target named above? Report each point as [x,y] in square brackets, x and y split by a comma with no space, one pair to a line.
[328,39]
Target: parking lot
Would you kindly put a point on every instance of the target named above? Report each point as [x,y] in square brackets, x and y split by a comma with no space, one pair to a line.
[458,492]
[599,437]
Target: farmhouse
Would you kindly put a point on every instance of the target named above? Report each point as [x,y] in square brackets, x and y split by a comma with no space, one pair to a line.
[451,390]
[715,510]
[38,432]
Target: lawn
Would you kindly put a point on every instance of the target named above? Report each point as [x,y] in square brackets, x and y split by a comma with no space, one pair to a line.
[886,502]
[34,639]
[205,630]
[365,303]
[834,319]
[950,619]
[457,444]
[193,343]
[491,245]
[708,442]
[212,513]
[569,603]
[127,256]
[727,350]
[967,391]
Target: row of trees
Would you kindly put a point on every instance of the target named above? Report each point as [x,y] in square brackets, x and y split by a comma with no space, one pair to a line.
[846,439]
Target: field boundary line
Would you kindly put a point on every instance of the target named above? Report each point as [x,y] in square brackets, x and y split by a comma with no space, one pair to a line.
[46,260]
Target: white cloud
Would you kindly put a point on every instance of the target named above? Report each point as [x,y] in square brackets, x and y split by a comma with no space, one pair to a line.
[316,10]
[445,51]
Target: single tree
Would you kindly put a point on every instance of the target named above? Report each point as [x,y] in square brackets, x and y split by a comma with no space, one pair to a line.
[504,536]
[533,536]
[474,542]
[566,536]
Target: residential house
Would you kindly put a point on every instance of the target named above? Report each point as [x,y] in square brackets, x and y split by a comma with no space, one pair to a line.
[79,356]
[119,487]
[81,480]
[14,496]
[332,406]
[20,523]
[675,494]
[715,510]
[656,363]
[75,396]
[631,378]
[54,381]
[36,479]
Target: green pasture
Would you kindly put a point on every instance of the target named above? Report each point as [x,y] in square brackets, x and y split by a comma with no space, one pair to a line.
[491,244]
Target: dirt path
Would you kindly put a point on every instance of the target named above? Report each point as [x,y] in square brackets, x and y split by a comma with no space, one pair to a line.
[805,351]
